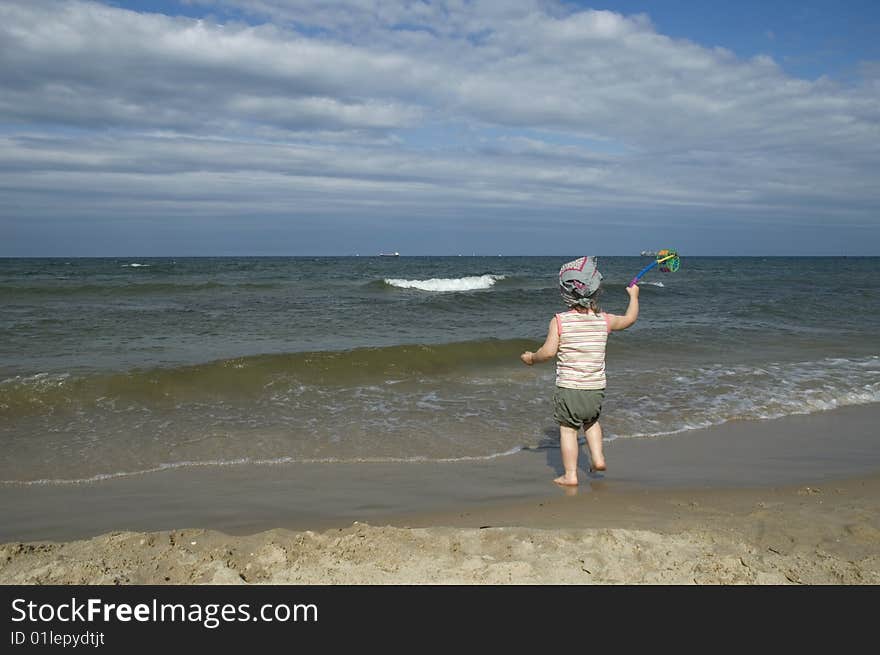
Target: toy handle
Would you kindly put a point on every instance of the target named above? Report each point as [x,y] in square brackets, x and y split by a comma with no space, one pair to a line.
[641,273]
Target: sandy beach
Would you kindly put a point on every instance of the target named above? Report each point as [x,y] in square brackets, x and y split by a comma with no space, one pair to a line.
[787,501]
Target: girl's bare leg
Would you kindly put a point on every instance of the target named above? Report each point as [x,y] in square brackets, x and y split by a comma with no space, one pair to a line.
[568,444]
[594,443]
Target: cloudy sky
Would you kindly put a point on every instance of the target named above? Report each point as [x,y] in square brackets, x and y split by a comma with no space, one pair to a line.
[307,127]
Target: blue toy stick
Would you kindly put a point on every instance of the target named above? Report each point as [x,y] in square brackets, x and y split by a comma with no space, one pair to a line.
[662,256]
[642,272]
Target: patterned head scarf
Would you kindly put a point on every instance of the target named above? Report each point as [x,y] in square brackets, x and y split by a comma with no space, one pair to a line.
[579,281]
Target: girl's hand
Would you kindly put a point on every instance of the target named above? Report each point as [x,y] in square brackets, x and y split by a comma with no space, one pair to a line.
[633,291]
[527,357]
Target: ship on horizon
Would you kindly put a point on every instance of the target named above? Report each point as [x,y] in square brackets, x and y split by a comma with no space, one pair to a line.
[389,254]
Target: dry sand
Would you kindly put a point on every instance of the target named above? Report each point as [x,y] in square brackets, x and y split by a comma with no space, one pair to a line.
[826,531]
[796,535]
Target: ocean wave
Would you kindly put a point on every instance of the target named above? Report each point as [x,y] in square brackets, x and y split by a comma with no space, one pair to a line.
[807,408]
[250,377]
[470,283]
[706,396]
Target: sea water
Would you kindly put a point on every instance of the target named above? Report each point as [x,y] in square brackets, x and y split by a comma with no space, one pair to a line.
[124,366]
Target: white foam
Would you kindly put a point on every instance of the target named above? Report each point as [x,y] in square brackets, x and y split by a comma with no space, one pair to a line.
[713,395]
[471,283]
[275,461]
[136,265]
[38,380]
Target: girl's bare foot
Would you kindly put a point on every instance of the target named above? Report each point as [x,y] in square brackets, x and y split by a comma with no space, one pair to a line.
[597,467]
[565,481]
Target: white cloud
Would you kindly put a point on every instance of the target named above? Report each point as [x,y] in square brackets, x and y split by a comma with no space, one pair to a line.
[521,104]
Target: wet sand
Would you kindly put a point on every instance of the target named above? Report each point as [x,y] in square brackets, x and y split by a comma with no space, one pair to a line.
[793,500]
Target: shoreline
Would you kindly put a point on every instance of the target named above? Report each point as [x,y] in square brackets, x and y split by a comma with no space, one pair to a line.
[791,500]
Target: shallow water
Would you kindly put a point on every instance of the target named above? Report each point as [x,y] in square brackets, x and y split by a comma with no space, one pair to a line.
[110,367]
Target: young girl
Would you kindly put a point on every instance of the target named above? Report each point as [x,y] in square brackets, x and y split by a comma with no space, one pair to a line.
[577,339]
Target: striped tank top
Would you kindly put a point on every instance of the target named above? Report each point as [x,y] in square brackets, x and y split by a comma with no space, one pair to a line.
[580,360]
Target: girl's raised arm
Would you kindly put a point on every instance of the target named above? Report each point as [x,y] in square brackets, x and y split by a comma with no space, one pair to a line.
[632,311]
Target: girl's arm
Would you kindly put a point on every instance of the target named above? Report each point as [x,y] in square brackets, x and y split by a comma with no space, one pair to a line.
[632,311]
[547,351]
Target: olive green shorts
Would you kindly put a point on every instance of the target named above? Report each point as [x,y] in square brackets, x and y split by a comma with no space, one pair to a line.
[577,407]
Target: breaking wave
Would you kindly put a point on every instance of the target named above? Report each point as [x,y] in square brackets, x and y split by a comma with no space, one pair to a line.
[470,283]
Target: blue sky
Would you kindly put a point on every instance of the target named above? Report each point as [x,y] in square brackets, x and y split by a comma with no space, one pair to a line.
[806,38]
[275,127]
